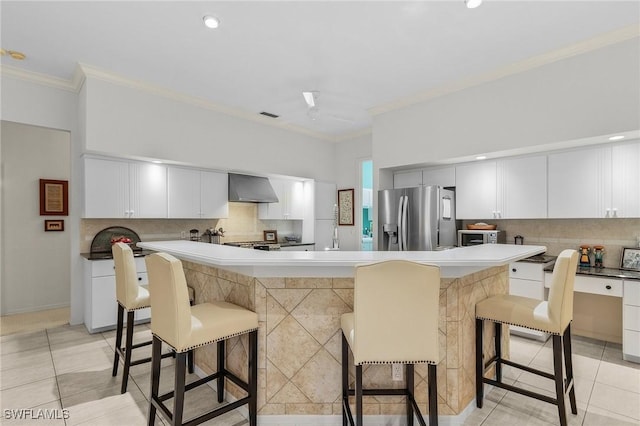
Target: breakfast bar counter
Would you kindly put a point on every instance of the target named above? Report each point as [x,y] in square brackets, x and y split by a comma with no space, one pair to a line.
[299,298]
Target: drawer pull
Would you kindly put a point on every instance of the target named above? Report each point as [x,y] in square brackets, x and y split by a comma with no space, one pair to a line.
[608,287]
[514,270]
[140,279]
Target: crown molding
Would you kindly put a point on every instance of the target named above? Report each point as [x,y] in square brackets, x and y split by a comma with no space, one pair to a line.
[353,135]
[595,43]
[38,78]
[90,71]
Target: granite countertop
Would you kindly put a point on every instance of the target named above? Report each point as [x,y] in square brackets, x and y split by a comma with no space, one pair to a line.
[539,258]
[604,272]
[293,244]
[108,255]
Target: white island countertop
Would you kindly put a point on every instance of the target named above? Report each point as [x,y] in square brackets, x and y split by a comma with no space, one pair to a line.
[453,263]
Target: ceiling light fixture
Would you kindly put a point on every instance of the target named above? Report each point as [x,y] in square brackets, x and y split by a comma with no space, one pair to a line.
[310,98]
[156,161]
[472,4]
[481,157]
[211,21]
[616,138]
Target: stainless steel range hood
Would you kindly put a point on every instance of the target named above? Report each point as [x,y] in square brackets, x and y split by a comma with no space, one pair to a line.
[251,189]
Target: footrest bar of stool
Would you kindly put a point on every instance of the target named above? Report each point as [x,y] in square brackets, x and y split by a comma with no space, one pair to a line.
[529,369]
[489,362]
[160,406]
[139,345]
[140,361]
[521,391]
[235,379]
[416,411]
[380,392]
[191,385]
[216,412]
[568,386]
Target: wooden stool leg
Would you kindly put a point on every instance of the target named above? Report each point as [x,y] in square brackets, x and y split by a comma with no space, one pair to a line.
[178,398]
[156,356]
[433,396]
[253,378]
[220,383]
[127,353]
[559,378]
[479,364]
[568,364]
[345,380]
[358,395]
[409,379]
[498,346]
[190,361]
[118,345]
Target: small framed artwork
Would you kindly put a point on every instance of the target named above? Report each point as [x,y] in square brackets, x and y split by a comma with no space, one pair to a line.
[270,236]
[54,197]
[630,259]
[345,207]
[54,225]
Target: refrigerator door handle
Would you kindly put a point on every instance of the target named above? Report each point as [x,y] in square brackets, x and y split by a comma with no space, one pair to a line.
[405,207]
[400,223]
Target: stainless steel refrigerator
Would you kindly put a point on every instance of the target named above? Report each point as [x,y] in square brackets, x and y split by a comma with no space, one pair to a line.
[421,218]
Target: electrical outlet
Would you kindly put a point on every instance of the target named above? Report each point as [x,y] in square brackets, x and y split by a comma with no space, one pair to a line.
[396,372]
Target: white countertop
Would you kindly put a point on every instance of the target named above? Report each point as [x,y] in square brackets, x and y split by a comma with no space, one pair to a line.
[453,263]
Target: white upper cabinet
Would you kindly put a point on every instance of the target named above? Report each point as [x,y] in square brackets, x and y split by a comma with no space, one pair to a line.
[597,182]
[291,201]
[121,189]
[476,191]
[441,176]
[197,194]
[522,188]
[407,179]
[625,180]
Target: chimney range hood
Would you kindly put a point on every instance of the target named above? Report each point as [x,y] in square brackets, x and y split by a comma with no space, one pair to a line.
[251,189]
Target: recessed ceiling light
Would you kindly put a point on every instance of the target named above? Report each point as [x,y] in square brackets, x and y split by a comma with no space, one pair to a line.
[472,4]
[481,157]
[211,21]
[616,138]
[156,161]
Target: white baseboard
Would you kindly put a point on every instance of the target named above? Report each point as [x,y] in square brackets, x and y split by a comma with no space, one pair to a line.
[35,309]
[336,420]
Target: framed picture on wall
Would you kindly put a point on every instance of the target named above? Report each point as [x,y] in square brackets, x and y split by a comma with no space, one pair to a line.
[630,259]
[54,225]
[270,235]
[345,207]
[54,197]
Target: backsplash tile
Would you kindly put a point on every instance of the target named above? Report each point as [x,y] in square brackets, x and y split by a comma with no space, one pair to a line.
[561,234]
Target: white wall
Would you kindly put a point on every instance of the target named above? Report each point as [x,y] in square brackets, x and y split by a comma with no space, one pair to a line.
[349,154]
[122,120]
[35,263]
[595,93]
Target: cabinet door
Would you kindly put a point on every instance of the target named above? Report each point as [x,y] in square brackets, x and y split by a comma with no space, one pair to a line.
[104,311]
[522,188]
[183,193]
[408,179]
[443,176]
[148,190]
[625,180]
[578,182]
[106,188]
[214,195]
[476,191]
[294,200]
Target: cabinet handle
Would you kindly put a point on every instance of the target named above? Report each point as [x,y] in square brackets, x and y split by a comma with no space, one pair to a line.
[608,287]
[139,278]
[514,270]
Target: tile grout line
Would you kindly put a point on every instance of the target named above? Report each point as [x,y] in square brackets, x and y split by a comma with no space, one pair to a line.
[55,372]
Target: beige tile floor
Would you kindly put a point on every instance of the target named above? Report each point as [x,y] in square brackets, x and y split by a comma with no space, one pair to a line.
[67,368]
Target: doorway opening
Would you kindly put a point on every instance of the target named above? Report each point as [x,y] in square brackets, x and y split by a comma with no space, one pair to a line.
[366,233]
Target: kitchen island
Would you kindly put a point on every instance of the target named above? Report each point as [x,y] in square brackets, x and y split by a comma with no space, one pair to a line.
[299,298]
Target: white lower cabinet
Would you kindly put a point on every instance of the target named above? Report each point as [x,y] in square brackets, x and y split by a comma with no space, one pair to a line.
[301,247]
[101,306]
[527,280]
[631,321]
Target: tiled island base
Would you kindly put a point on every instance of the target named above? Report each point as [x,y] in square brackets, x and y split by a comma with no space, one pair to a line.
[299,340]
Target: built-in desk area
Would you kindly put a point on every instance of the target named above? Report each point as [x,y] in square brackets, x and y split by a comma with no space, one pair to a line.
[299,298]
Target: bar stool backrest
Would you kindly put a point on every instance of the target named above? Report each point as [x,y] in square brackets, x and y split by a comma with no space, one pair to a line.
[126,274]
[396,309]
[560,305]
[170,310]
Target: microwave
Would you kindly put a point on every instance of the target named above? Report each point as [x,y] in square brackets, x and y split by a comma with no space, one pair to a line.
[468,237]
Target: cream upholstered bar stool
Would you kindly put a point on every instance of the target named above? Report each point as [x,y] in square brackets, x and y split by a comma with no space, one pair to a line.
[553,316]
[183,328]
[131,297]
[394,321]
